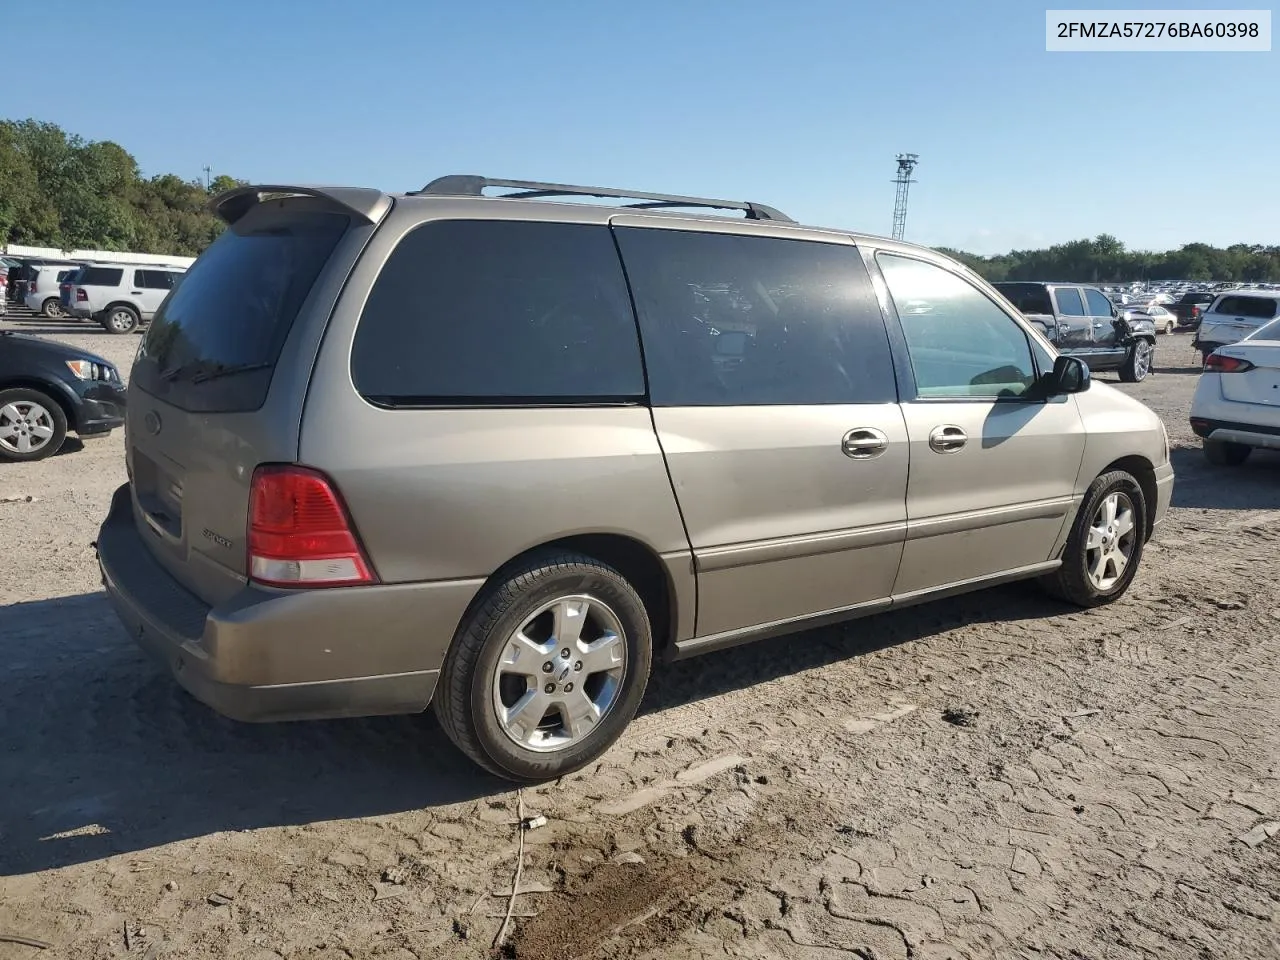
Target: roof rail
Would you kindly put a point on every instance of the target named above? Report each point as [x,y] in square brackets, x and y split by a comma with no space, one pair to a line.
[466,185]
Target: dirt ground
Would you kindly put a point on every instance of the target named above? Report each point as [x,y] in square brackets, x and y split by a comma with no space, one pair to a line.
[990,776]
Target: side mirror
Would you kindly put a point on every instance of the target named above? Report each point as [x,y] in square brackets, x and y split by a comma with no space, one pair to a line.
[1070,375]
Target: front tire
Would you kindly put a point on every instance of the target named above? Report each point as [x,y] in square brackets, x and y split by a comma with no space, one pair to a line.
[1104,548]
[1138,363]
[120,319]
[32,425]
[1224,453]
[498,701]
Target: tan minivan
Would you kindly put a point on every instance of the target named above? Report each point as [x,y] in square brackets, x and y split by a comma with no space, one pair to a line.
[497,453]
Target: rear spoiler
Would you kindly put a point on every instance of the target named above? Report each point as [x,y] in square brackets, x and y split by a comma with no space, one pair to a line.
[363,202]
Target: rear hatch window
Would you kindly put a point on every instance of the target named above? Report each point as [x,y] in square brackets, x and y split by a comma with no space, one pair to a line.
[214,343]
[1253,308]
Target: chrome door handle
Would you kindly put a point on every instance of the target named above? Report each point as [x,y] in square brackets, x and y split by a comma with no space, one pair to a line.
[947,438]
[864,443]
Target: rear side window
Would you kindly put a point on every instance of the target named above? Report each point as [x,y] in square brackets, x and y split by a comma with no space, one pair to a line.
[101,276]
[1256,308]
[216,339]
[499,311]
[1069,302]
[730,320]
[1099,306]
[152,279]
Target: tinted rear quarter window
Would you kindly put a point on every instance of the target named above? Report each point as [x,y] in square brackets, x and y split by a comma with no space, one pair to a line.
[1256,308]
[234,308]
[734,320]
[1069,302]
[101,276]
[499,312]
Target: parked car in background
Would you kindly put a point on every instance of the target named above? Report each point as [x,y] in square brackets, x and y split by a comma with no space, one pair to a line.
[1191,307]
[64,291]
[21,276]
[4,289]
[1236,406]
[1233,316]
[1082,322]
[42,290]
[500,454]
[48,388]
[121,296]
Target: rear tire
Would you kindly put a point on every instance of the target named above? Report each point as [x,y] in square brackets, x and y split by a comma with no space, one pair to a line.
[1091,574]
[1224,453]
[120,319]
[31,419]
[1137,364]
[503,646]
[52,308]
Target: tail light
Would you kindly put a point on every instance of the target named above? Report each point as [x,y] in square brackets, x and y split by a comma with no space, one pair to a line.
[300,534]
[81,296]
[1195,312]
[1217,363]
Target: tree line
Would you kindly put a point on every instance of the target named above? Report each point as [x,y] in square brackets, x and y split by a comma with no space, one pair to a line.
[60,190]
[1104,259]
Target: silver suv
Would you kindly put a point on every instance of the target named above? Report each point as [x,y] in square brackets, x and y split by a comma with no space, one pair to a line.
[499,453]
[121,296]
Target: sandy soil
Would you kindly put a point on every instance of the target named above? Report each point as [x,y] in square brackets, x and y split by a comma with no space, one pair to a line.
[991,776]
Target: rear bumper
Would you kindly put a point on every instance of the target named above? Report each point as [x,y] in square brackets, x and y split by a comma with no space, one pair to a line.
[1230,431]
[283,655]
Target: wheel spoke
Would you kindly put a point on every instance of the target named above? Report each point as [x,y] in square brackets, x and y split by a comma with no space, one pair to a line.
[603,655]
[1095,538]
[523,716]
[570,615]
[24,443]
[9,412]
[1124,523]
[1118,560]
[578,713]
[524,654]
[1109,507]
[1098,569]
[8,431]
[42,432]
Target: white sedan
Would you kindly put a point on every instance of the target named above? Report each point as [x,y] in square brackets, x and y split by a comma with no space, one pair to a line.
[1236,406]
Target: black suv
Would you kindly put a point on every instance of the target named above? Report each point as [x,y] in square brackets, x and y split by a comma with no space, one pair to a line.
[48,388]
[1083,323]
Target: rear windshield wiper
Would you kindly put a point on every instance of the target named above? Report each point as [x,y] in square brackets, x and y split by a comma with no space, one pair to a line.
[202,370]
[227,371]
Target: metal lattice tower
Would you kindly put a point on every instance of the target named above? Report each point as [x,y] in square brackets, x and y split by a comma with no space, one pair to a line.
[906,164]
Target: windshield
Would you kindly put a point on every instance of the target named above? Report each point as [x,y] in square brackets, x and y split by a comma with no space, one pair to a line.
[233,310]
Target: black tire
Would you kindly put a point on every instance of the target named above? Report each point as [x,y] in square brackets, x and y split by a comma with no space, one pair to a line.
[52,308]
[1224,453]
[52,416]
[1137,365]
[1071,581]
[464,695]
[120,318]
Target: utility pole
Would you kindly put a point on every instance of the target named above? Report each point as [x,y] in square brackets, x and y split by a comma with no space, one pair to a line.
[906,164]
[208,177]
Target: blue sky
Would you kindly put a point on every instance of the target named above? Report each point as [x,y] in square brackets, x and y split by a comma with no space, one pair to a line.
[802,104]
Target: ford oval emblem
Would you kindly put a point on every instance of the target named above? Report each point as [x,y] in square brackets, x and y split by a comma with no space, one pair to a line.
[152,422]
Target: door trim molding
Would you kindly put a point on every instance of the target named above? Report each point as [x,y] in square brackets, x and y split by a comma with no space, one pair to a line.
[1053,509]
[708,559]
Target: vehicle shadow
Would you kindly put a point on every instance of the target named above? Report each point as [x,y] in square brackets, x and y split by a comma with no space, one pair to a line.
[1254,485]
[106,755]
